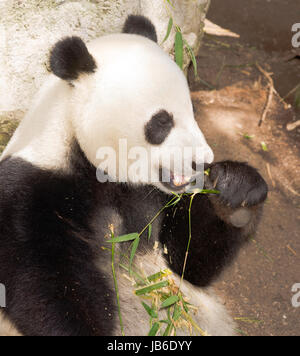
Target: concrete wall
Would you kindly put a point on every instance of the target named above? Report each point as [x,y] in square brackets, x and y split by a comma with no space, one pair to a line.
[29,28]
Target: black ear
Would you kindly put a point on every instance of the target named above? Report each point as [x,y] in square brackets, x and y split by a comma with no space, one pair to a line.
[140,25]
[70,57]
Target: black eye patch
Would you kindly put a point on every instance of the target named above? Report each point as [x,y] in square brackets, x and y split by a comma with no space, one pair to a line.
[159,128]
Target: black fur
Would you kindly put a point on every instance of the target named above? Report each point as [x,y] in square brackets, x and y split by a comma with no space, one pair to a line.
[215,242]
[228,177]
[159,128]
[52,286]
[52,230]
[70,57]
[140,25]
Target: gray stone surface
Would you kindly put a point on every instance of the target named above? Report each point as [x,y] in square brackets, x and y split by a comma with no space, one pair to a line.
[29,28]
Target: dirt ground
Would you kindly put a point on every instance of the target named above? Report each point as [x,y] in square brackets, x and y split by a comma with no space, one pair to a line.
[229,100]
[265,24]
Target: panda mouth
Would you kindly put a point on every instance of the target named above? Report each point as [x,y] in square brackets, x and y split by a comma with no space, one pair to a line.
[172,181]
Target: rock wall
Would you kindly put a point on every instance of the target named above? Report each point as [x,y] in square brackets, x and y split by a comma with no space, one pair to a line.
[29,28]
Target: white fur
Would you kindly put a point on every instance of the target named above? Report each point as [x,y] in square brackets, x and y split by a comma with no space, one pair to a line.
[43,137]
[135,79]
[7,328]
[211,316]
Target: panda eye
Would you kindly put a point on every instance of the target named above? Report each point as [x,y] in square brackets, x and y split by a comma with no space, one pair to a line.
[159,127]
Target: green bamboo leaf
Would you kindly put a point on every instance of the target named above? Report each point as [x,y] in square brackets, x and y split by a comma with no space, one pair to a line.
[192,56]
[160,275]
[264,147]
[173,202]
[248,137]
[170,2]
[177,312]
[124,238]
[170,26]
[149,232]
[168,322]
[206,191]
[179,49]
[152,288]
[152,313]
[207,172]
[168,330]
[170,301]
[154,329]
[209,191]
[116,286]
[133,251]
[184,304]
[185,307]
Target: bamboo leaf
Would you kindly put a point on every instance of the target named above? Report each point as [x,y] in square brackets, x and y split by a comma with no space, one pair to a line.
[116,287]
[173,203]
[248,137]
[149,232]
[170,26]
[177,312]
[206,191]
[193,57]
[133,251]
[184,304]
[124,238]
[170,2]
[160,275]
[264,147]
[207,172]
[179,49]
[209,191]
[154,329]
[170,301]
[168,322]
[168,330]
[152,313]
[150,289]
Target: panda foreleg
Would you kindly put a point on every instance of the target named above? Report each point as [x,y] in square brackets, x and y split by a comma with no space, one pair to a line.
[221,224]
[46,305]
[242,192]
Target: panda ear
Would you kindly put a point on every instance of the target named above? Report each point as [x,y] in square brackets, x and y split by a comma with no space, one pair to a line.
[140,25]
[70,57]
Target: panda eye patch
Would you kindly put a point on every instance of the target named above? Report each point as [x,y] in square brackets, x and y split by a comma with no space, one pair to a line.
[159,127]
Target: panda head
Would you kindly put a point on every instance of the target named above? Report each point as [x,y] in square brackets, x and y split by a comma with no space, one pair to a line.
[131,109]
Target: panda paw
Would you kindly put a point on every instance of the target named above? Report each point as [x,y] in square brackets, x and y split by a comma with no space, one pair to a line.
[239,184]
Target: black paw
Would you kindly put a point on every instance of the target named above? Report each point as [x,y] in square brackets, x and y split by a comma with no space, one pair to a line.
[238,184]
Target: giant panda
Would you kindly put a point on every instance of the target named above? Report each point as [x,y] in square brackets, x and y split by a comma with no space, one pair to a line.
[56,216]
